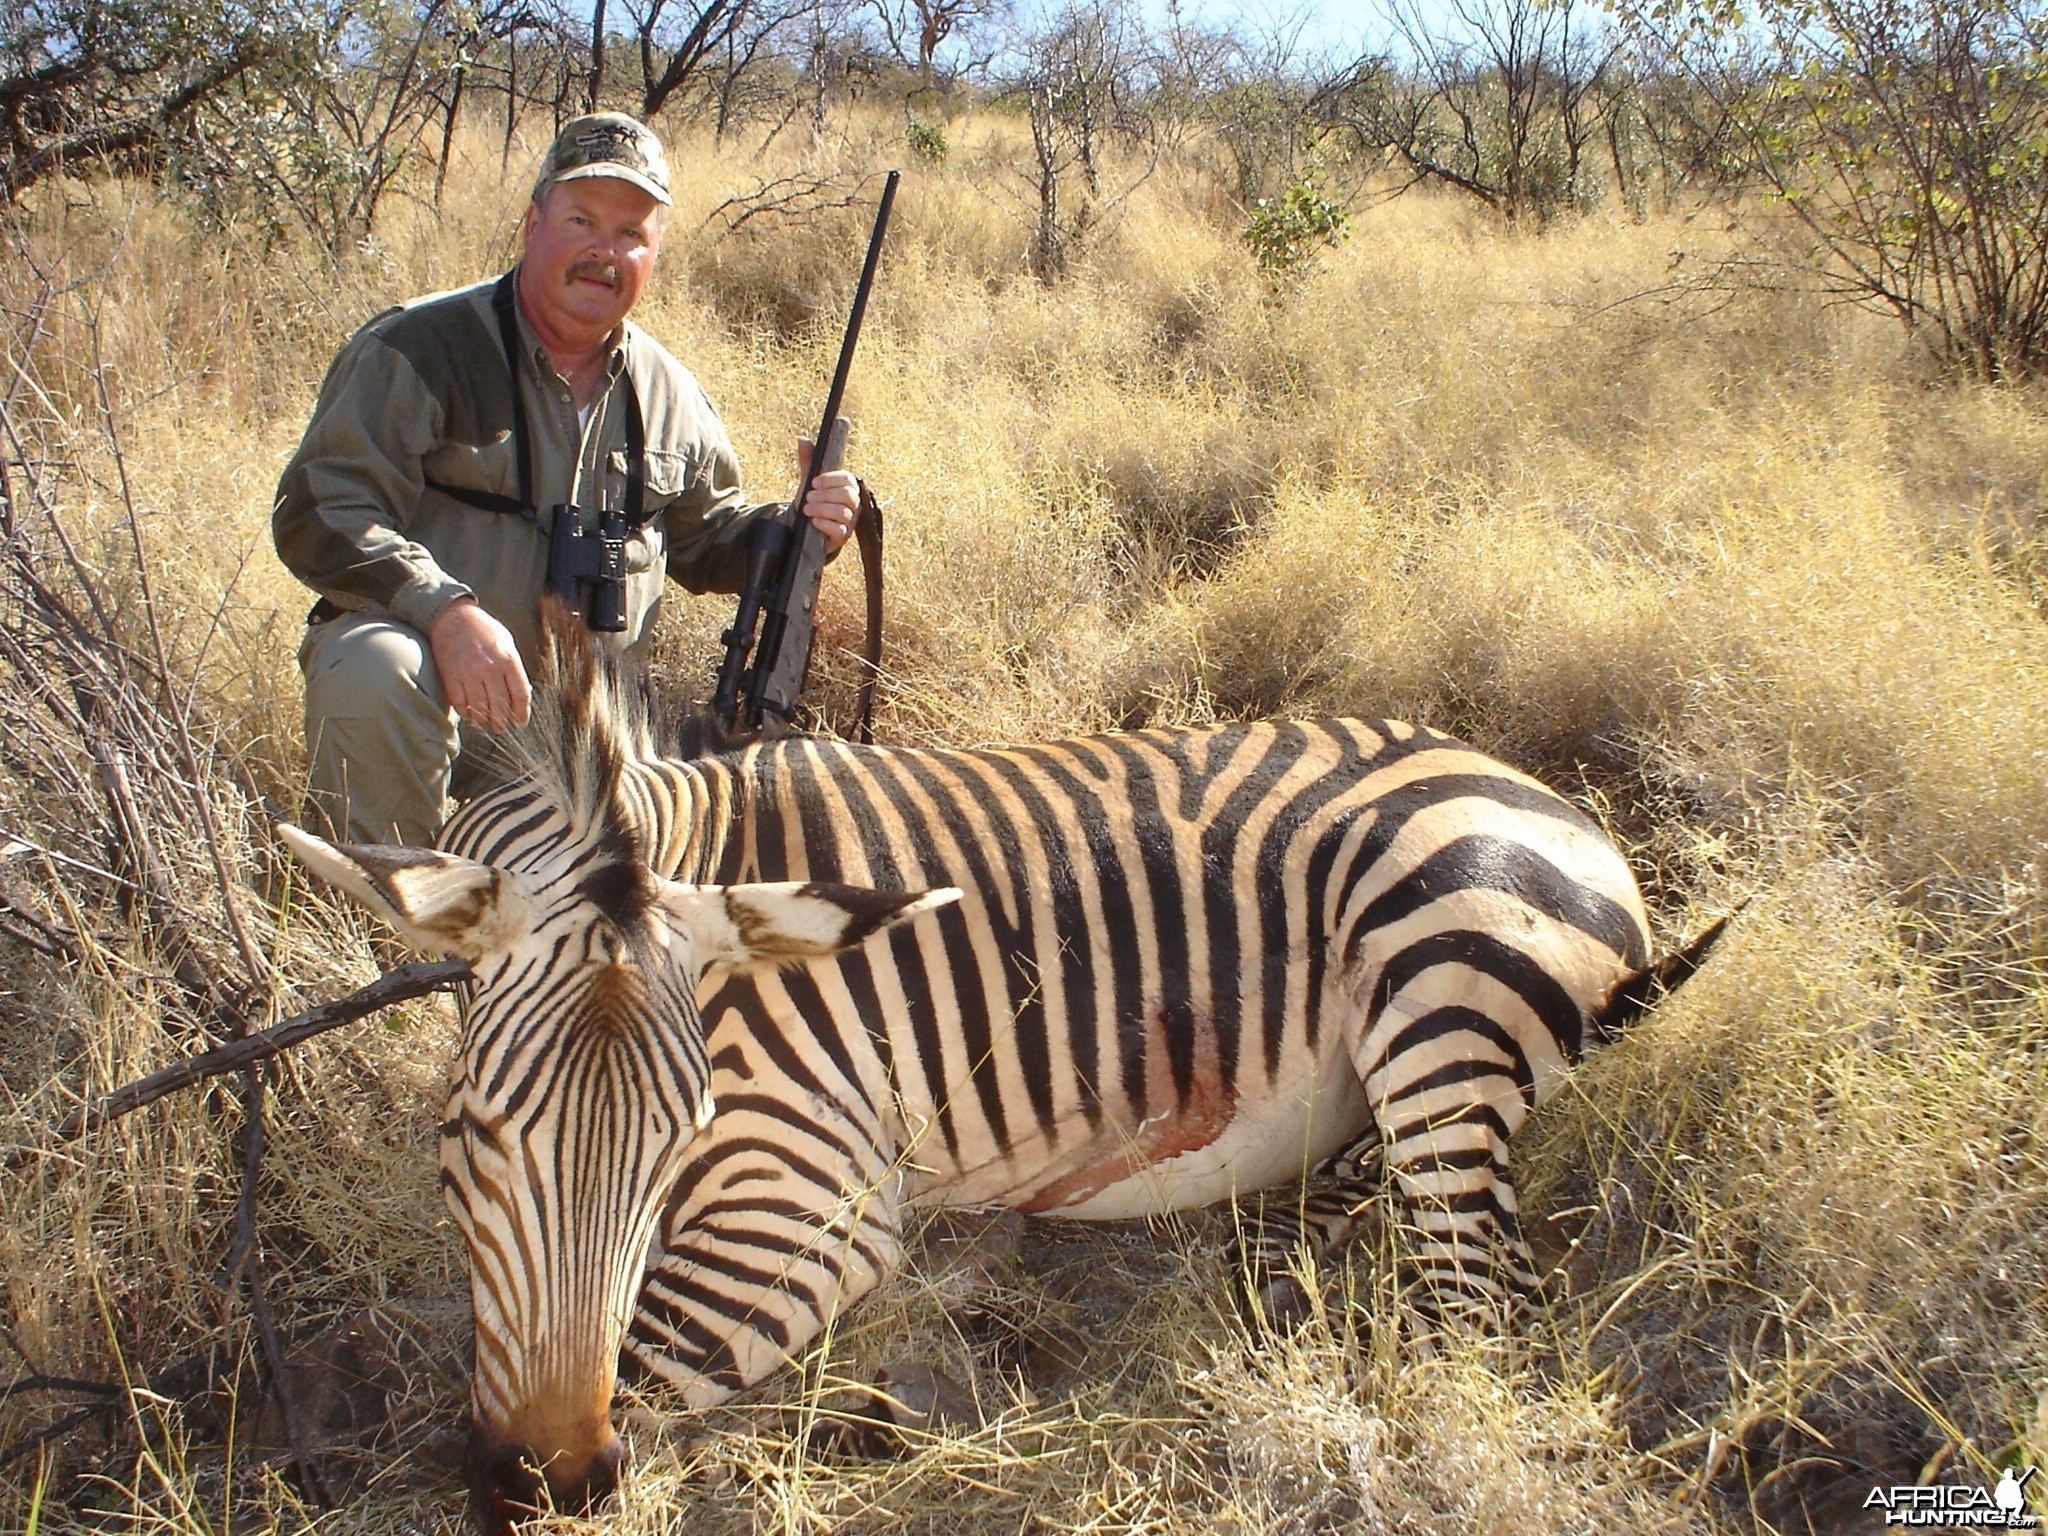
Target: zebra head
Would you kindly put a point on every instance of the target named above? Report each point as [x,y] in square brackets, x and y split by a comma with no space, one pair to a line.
[581,1083]
[583,1075]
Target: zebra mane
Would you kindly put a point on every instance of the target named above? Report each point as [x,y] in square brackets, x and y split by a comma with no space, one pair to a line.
[588,727]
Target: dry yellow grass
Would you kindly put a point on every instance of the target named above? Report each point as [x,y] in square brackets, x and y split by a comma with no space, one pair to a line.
[1734,572]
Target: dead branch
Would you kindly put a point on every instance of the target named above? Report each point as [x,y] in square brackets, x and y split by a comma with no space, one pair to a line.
[65,1384]
[252,958]
[106,1394]
[99,695]
[415,979]
[20,921]
[184,1383]
[786,197]
[110,753]
[42,1437]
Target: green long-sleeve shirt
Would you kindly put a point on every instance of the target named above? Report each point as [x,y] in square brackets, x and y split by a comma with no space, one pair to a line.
[422,394]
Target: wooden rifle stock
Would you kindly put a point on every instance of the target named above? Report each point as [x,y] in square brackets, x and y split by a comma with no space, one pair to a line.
[789,622]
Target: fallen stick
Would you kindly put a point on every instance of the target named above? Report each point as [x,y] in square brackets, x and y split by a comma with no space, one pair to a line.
[63,1426]
[414,979]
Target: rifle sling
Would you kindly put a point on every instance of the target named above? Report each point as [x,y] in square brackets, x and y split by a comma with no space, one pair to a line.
[867,533]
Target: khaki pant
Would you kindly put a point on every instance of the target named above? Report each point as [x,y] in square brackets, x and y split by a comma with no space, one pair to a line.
[386,749]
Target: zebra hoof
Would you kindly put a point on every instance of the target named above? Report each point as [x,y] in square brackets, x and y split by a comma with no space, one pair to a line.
[908,1405]
[1278,1304]
[921,1400]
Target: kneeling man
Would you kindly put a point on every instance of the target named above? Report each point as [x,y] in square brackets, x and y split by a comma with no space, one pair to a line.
[450,436]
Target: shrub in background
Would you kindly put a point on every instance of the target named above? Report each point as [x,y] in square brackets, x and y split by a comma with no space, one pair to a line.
[927,140]
[1285,232]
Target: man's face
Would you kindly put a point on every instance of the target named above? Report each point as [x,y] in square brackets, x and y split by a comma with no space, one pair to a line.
[589,249]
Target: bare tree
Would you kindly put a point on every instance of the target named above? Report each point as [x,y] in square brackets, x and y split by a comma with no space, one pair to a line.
[1266,121]
[311,115]
[715,47]
[595,92]
[1500,99]
[1904,150]
[840,59]
[469,38]
[1693,138]
[915,30]
[1083,79]
[337,138]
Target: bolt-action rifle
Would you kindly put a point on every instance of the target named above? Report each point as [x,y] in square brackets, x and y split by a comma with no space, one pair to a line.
[758,684]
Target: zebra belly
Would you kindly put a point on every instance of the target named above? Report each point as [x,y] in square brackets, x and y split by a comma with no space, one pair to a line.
[1184,1157]
[1270,1141]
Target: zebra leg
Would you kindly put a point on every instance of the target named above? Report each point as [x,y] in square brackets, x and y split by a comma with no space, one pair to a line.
[756,1259]
[1462,1254]
[1284,1235]
[1444,1057]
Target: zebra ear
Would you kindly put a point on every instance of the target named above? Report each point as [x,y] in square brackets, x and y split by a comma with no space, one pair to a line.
[439,903]
[782,924]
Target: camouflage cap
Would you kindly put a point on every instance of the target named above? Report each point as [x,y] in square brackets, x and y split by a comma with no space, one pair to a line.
[606,144]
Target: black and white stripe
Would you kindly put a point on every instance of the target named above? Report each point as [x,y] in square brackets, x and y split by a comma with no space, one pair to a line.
[1183,966]
[1187,964]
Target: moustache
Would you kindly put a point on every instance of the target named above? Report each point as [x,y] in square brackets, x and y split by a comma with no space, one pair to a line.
[597,271]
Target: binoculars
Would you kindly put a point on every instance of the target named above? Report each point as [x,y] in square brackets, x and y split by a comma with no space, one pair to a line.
[587,567]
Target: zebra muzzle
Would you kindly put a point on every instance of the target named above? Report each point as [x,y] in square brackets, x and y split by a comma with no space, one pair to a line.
[507,1484]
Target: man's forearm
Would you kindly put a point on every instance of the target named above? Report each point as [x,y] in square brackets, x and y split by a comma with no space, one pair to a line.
[362,567]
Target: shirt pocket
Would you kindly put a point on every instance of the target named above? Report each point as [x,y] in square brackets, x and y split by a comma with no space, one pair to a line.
[492,467]
[668,476]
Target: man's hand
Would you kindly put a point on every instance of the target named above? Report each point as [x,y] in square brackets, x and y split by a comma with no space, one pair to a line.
[834,501]
[480,668]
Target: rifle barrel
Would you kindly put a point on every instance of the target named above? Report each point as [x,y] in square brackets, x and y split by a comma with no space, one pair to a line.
[859,311]
[775,619]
